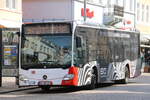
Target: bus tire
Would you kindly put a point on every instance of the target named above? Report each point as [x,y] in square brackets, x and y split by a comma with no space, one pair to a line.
[45,88]
[126,79]
[93,82]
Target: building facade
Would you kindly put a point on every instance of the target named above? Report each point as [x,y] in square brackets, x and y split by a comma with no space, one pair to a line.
[59,10]
[143,17]
[120,13]
[143,25]
[11,13]
[97,11]
[10,22]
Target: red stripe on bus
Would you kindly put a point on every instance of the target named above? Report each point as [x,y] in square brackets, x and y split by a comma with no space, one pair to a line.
[74,81]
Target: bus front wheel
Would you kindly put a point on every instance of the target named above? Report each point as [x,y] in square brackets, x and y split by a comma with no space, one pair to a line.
[93,81]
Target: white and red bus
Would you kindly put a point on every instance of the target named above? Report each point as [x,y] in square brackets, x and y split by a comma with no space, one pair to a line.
[68,54]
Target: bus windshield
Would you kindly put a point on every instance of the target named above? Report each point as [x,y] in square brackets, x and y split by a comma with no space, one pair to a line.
[46,51]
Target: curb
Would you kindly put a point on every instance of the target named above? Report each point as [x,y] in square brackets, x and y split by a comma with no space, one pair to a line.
[17,90]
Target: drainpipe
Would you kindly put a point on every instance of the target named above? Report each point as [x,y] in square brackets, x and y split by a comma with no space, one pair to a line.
[84,10]
[135,1]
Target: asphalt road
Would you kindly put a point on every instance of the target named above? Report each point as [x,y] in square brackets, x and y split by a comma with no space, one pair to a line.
[137,89]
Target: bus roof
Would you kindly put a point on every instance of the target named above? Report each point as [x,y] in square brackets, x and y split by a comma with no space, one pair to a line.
[106,28]
[98,26]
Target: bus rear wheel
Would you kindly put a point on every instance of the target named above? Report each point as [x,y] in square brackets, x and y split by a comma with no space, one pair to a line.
[126,79]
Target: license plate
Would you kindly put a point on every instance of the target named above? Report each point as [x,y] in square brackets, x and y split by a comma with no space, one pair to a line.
[45,83]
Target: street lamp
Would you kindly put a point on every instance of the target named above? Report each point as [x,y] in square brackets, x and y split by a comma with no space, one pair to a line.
[84,10]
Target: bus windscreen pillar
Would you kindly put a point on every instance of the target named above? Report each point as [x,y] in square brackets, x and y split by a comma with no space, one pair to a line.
[0,57]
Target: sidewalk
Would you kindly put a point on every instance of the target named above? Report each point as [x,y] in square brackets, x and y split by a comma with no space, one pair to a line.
[9,85]
[145,74]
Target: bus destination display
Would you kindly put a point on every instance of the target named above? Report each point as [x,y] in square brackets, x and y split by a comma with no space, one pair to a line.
[47,28]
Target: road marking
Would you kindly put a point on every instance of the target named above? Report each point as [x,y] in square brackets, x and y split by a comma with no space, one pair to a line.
[109,91]
[12,96]
[136,84]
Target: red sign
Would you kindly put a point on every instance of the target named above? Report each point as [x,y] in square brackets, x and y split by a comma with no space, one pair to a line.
[89,13]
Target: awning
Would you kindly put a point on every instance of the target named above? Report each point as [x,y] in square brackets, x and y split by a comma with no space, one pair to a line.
[145,38]
[10,24]
[145,46]
[2,26]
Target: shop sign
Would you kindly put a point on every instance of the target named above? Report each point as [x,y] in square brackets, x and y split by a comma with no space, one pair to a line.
[10,42]
[89,14]
[118,10]
[10,37]
[10,55]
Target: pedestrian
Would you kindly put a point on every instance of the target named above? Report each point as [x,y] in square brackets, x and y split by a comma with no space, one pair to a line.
[142,59]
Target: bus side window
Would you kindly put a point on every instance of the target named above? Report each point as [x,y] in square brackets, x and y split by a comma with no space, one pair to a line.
[78,42]
[80,51]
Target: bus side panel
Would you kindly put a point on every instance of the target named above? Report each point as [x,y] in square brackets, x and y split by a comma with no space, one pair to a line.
[105,55]
[112,50]
[136,64]
[112,55]
[86,54]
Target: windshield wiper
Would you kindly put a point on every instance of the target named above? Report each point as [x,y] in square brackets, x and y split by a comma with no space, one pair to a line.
[47,62]
[45,65]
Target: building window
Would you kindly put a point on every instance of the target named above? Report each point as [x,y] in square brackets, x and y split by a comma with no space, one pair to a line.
[14,4]
[32,45]
[100,1]
[131,5]
[11,4]
[7,3]
[44,50]
[147,13]
[117,2]
[138,11]
[35,47]
[93,1]
[143,12]
[41,48]
[47,50]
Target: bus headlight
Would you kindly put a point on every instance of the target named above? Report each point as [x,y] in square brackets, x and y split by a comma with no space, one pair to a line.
[68,77]
[23,78]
